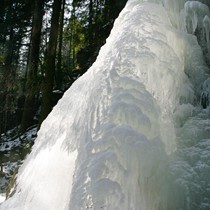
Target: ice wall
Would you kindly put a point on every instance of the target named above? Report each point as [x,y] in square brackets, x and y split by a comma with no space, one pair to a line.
[111,141]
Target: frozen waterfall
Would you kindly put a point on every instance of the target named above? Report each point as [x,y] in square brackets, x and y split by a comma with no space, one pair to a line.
[130,134]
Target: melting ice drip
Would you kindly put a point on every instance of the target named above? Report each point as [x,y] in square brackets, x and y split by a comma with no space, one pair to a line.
[129,134]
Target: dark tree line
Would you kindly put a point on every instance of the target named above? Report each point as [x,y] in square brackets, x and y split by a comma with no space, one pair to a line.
[44,46]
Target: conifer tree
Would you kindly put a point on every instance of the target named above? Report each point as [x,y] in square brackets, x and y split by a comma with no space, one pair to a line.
[48,81]
[32,80]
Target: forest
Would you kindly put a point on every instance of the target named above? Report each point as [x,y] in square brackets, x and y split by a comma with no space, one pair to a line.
[45,46]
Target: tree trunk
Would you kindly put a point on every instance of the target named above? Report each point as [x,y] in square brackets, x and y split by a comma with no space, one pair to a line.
[5,81]
[32,80]
[90,24]
[71,41]
[59,73]
[46,104]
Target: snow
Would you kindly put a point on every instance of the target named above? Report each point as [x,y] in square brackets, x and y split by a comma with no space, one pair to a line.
[2,198]
[7,143]
[130,133]
[13,149]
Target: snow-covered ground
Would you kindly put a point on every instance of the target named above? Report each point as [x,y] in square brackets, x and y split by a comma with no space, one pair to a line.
[13,149]
[2,197]
[130,133]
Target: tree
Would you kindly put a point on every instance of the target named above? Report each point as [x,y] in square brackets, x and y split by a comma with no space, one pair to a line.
[13,30]
[59,73]
[32,80]
[48,82]
[97,18]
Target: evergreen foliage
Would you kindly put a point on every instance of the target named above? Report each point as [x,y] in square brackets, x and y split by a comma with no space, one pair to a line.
[29,62]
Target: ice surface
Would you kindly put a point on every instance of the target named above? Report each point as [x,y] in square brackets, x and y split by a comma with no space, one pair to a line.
[195,14]
[130,133]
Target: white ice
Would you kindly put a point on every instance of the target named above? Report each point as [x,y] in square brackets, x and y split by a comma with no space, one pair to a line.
[196,12]
[130,133]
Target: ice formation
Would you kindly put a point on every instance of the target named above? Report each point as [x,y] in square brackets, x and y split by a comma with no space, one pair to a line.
[130,134]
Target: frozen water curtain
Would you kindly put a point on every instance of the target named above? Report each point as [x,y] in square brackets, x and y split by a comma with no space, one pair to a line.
[130,134]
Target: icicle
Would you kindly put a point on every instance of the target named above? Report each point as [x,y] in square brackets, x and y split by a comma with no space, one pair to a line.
[195,12]
[206,24]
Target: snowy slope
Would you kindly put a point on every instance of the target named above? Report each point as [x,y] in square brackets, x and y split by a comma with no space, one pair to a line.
[112,141]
